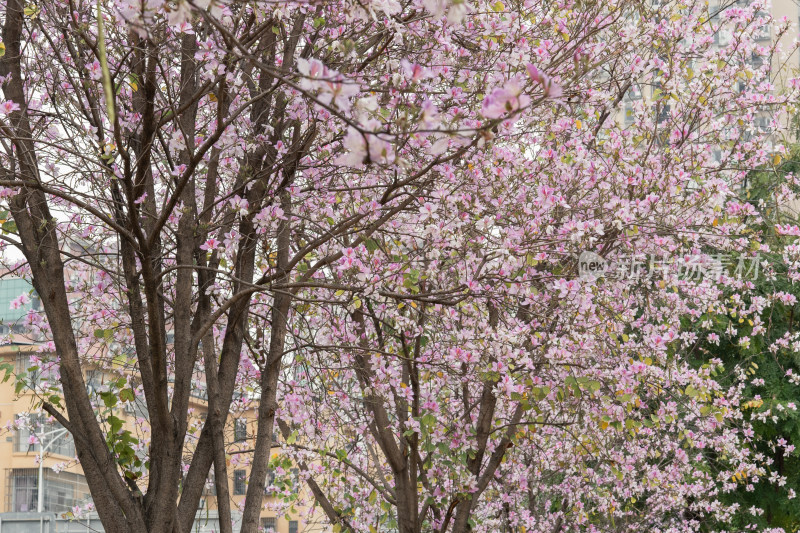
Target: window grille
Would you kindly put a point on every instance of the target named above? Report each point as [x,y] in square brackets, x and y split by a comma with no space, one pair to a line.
[269,524]
[270,486]
[38,426]
[38,372]
[239,429]
[239,482]
[62,491]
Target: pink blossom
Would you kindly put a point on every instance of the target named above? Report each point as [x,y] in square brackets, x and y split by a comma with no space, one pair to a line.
[503,100]
[414,72]
[787,229]
[210,244]
[240,205]
[95,71]
[20,301]
[8,106]
[551,89]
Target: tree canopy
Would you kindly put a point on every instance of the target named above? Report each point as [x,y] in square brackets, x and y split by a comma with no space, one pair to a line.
[368,218]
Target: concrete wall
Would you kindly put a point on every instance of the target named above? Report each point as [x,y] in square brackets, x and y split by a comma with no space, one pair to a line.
[52,523]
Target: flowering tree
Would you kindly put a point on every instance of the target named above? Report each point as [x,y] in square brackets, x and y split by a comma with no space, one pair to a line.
[391,193]
[191,167]
[515,395]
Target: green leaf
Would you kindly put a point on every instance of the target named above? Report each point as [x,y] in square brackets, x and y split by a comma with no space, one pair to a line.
[594,385]
[115,423]
[127,395]
[428,420]
[9,226]
[106,334]
[540,393]
[31,11]
[8,371]
[109,399]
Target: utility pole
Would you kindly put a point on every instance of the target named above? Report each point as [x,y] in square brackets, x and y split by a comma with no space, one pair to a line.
[58,433]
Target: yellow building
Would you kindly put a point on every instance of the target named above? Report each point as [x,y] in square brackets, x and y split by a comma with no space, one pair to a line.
[63,487]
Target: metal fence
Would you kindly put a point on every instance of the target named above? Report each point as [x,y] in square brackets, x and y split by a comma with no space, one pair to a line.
[46,523]
[205,522]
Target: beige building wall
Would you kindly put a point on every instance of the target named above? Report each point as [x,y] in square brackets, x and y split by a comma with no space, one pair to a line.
[19,468]
[18,458]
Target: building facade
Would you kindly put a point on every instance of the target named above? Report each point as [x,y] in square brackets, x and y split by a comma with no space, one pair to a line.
[49,495]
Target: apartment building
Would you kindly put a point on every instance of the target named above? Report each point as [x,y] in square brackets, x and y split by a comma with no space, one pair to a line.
[782,65]
[41,496]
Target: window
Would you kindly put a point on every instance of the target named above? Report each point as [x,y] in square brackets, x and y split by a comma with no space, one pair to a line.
[239,482]
[200,391]
[94,378]
[42,430]
[762,124]
[10,290]
[268,524]
[239,429]
[292,526]
[60,492]
[664,113]
[31,372]
[629,115]
[36,373]
[269,488]
[24,492]
[295,479]
[211,484]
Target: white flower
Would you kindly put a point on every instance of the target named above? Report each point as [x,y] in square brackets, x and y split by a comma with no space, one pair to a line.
[356,148]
